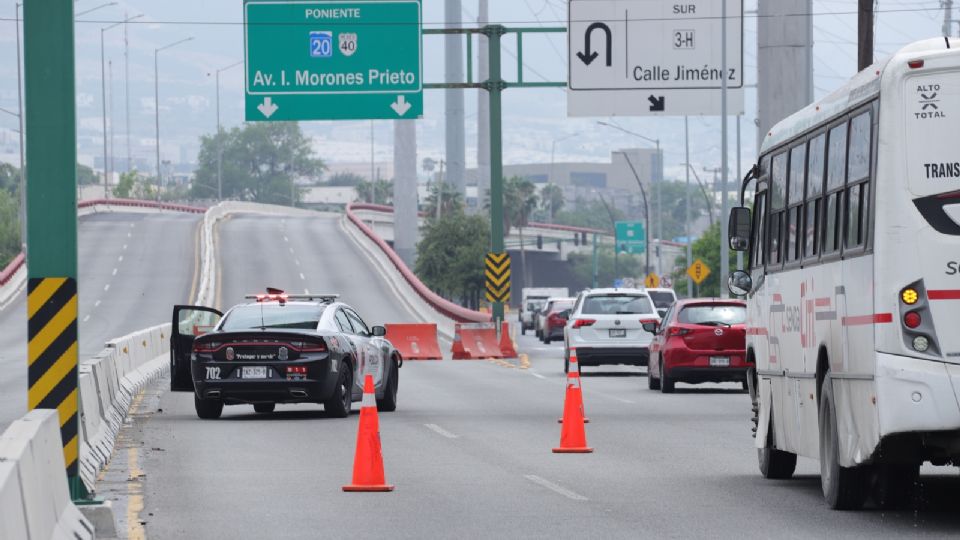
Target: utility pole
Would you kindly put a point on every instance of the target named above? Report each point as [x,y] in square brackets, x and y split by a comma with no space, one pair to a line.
[156,104]
[864,34]
[724,250]
[23,168]
[646,213]
[220,133]
[947,6]
[453,98]
[483,110]
[686,137]
[784,61]
[126,87]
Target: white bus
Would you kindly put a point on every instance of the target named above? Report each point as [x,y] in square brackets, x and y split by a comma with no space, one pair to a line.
[853,285]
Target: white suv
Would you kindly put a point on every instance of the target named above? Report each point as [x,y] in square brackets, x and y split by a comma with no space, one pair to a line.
[605,326]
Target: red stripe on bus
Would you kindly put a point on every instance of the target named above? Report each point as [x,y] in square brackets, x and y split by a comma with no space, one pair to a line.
[944,294]
[876,318]
[822,302]
[757,331]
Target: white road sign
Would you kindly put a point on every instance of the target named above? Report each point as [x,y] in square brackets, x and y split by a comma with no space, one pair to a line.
[653,57]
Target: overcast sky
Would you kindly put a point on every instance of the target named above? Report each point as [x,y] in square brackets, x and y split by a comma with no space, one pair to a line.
[533,118]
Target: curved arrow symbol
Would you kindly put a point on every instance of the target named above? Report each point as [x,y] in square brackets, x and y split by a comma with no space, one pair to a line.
[588,56]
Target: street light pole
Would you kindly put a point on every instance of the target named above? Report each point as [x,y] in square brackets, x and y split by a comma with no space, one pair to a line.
[103,98]
[220,134]
[646,209]
[156,104]
[724,251]
[657,186]
[23,170]
[686,144]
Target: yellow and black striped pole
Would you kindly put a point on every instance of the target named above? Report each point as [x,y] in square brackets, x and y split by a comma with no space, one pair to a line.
[51,145]
[52,356]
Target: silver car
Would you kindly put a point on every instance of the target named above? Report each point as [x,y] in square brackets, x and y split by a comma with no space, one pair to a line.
[606,327]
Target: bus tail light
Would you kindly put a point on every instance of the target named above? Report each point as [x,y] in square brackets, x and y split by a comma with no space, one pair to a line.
[912,319]
[916,320]
[915,64]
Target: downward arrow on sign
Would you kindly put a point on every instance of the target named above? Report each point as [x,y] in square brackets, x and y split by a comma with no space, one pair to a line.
[400,106]
[267,108]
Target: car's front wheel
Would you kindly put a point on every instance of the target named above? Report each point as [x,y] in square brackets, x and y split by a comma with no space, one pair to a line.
[208,409]
[389,401]
[340,403]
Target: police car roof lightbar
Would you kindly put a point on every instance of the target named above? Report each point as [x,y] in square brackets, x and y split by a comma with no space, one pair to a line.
[283,297]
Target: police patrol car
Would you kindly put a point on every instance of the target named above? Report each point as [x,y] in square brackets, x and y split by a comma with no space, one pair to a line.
[280,348]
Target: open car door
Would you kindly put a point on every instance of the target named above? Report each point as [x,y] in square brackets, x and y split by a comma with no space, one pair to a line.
[188,323]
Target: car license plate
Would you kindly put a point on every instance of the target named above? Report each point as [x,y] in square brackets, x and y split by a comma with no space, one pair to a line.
[719,361]
[618,332]
[254,372]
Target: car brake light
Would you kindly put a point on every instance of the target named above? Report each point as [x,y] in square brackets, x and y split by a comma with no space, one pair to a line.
[309,346]
[915,64]
[208,346]
[912,319]
[297,369]
[648,321]
[583,322]
[675,331]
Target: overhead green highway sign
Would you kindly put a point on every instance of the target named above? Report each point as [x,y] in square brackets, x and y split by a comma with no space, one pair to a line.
[333,60]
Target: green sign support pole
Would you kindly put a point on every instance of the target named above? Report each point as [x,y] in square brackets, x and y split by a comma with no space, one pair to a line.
[495,86]
[51,133]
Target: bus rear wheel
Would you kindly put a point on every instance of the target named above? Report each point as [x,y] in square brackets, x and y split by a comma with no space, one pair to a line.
[844,488]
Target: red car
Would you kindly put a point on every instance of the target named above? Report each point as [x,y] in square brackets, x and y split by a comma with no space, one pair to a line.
[699,340]
[555,321]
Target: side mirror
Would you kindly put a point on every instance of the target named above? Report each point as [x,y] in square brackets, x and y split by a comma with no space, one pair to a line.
[379,331]
[740,283]
[651,327]
[739,228]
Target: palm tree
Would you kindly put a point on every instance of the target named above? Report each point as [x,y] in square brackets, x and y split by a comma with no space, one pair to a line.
[451,201]
[551,200]
[519,201]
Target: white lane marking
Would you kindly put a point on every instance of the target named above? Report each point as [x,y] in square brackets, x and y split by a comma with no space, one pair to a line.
[124,246]
[120,258]
[537,375]
[297,261]
[306,291]
[106,287]
[132,225]
[114,271]
[291,250]
[301,276]
[440,430]
[96,304]
[555,488]
[129,235]
[285,239]
[85,319]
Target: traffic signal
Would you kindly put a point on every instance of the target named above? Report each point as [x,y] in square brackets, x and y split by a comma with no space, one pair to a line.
[576,239]
[583,237]
[559,247]
[539,241]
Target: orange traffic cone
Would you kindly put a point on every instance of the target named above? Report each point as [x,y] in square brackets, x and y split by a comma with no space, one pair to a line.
[573,436]
[368,461]
[575,366]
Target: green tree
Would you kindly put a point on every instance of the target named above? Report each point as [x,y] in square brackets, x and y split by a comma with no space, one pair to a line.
[707,249]
[86,176]
[450,256]
[378,192]
[674,207]
[259,162]
[344,179]
[551,200]
[451,200]
[10,179]
[124,188]
[9,228]
[590,214]
[609,267]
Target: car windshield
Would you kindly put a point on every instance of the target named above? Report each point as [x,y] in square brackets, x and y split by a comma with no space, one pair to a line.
[661,299]
[561,306]
[616,304]
[713,315]
[534,305]
[262,316]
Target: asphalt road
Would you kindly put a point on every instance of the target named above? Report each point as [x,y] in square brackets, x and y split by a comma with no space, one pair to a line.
[132,267]
[469,446]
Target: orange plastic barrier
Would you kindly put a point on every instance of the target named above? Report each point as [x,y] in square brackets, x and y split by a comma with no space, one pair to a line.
[506,342]
[415,341]
[475,341]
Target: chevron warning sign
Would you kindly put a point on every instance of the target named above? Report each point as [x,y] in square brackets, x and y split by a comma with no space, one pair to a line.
[52,356]
[497,271]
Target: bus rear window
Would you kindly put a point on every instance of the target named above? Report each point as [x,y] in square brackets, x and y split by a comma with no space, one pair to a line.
[933,166]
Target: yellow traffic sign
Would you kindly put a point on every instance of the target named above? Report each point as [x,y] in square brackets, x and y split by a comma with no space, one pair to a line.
[497,272]
[698,271]
[652,281]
